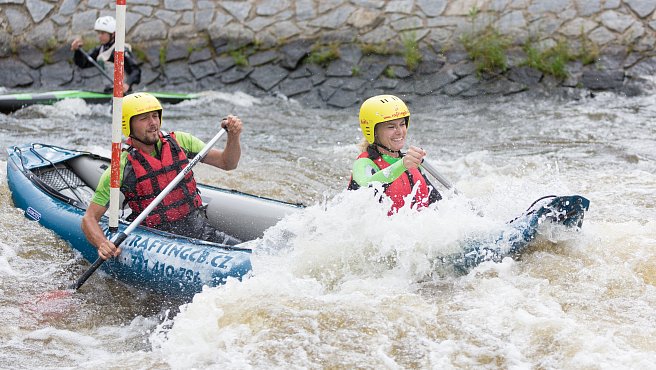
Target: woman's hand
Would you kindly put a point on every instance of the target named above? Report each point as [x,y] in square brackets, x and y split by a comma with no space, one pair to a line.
[414,156]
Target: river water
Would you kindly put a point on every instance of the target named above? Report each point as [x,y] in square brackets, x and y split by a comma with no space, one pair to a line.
[341,285]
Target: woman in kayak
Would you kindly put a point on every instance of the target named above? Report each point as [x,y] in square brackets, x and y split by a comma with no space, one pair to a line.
[384,120]
[152,160]
[103,54]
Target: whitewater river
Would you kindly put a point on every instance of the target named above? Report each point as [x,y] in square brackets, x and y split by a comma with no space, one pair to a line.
[343,286]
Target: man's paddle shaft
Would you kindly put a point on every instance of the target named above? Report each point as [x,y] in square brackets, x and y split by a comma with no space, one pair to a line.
[118,238]
[173,183]
[101,69]
[429,167]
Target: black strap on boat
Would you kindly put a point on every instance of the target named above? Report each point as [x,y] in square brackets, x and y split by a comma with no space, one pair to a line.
[539,199]
[72,187]
[529,210]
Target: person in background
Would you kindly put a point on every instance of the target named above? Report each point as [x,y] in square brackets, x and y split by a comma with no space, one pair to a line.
[104,55]
[151,161]
[384,120]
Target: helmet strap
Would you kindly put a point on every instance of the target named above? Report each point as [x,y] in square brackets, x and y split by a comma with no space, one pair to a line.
[376,145]
[134,138]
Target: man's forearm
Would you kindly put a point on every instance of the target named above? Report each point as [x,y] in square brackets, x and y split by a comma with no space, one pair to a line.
[231,153]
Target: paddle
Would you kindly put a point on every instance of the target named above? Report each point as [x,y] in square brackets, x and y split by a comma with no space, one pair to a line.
[118,238]
[429,167]
[101,69]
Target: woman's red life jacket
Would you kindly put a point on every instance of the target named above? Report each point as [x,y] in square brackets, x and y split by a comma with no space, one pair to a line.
[150,175]
[402,186]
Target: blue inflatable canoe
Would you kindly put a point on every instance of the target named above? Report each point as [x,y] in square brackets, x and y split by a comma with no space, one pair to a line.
[54,185]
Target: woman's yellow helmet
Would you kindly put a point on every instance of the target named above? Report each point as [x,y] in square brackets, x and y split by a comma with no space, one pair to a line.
[381,108]
[138,103]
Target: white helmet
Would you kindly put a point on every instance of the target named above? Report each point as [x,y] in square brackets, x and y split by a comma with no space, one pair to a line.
[105,24]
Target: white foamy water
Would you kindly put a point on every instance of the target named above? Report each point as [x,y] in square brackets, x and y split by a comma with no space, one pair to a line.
[340,284]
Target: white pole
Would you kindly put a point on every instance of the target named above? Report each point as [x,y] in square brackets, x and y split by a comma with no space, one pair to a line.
[115,179]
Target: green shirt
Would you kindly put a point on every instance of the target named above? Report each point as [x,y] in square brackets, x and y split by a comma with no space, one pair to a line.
[365,171]
[187,142]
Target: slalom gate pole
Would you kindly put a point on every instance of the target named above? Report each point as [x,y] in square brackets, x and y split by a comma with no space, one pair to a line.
[117,114]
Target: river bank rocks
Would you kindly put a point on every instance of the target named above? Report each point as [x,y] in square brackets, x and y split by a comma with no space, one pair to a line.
[335,53]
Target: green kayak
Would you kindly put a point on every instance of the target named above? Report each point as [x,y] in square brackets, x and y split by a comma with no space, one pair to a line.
[13,102]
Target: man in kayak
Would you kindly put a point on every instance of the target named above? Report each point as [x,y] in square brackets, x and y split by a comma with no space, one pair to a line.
[151,161]
[103,54]
[384,120]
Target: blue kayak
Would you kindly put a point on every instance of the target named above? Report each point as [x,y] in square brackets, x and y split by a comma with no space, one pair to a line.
[54,185]
[517,235]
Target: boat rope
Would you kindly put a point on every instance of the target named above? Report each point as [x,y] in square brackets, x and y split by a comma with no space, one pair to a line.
[539,199]
[57,170]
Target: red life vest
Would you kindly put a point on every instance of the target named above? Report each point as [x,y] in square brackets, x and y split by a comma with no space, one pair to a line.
[150,175]
[402,186]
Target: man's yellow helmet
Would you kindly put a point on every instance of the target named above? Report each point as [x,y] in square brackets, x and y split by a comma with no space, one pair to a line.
[138,103]
[381,108]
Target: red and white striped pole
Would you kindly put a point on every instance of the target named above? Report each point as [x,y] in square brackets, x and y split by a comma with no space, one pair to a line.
[115,179]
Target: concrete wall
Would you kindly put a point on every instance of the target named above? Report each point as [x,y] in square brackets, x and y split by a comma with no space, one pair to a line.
[178,34]
[436,22]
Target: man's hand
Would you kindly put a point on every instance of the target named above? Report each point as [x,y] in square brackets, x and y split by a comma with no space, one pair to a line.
[228,158]
[95,235]
[232,124]
[107,250]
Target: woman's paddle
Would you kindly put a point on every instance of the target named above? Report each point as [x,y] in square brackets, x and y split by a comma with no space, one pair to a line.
[101,69]
[118,238]
[429,167]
